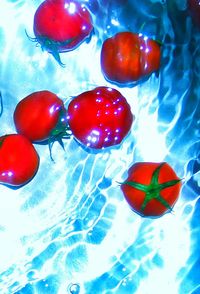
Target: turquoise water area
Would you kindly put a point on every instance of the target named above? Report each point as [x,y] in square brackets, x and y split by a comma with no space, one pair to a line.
[70,230]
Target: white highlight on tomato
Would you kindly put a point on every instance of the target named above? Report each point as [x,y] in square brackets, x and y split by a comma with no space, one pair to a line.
[71,7]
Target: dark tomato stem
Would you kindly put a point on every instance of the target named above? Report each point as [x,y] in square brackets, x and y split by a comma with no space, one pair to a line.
[140,31]
[160,43]
[60,132]
[2,140]
[32,39]
[50,45]
[56,56]
[58,136]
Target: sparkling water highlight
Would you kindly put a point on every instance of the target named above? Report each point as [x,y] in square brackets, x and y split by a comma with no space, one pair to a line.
[70,230]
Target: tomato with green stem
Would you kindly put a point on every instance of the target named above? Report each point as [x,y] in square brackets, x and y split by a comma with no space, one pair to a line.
[19,160]
[98,118]
[151,189]
[127,57]
[61,25]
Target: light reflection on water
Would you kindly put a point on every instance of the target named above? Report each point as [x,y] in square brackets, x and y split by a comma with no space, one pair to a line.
[69,230]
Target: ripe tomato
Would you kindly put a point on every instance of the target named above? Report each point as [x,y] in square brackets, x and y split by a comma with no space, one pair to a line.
[39,116]
[127,57]
[151,189]
[194,10]
[99,118]
[19,160]
[61,25]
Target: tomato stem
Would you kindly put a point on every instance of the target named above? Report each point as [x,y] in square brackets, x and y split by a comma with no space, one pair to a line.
[2,140]
[51,46]
[58,135]
[60,132]
[152,191]
[160,43]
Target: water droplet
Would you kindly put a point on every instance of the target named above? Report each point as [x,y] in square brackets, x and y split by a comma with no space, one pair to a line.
[74,288]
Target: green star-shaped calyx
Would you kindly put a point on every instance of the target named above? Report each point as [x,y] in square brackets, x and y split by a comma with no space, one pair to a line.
[152,191]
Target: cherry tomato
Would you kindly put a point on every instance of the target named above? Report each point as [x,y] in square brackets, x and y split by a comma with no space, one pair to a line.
[19,160]
[39,116]
[194,10]
[100,118]
[127,57]
[61,25]
[151,189]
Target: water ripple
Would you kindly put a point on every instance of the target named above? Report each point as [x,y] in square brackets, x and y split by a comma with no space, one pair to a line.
[70,230]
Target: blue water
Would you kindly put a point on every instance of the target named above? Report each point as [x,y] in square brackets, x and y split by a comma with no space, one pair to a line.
[70,230]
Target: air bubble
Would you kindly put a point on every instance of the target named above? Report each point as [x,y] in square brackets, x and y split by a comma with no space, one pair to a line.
[74,289]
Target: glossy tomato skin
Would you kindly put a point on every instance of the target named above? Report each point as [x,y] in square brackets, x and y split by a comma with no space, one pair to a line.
[194,10]
[142,173]
[128,57]
[19,160]
[100,118]
[61,25]
[38,114]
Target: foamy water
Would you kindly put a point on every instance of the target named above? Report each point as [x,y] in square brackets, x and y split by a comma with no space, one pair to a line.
[70,230]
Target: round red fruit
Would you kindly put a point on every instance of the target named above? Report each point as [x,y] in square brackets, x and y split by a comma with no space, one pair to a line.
[100,118]
[151,189]
[127,57]
[19,160]
[61,25]
[39,115]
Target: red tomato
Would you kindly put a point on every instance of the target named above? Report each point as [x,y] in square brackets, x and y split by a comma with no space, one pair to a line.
[39,116]
[194,10]
[127,57]
[61,25]
[99,118]
[19,160]
[151,189]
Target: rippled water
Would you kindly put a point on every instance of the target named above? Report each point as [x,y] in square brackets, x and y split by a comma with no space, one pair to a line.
[70,230]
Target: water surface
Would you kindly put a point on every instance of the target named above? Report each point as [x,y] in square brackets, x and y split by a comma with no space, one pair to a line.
[70,230]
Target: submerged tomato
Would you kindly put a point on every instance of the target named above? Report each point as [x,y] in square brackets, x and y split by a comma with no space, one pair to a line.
[127,57]
[151,189]
[99,118]
[61,25]
[39,116]
[194,10]
[19,160]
